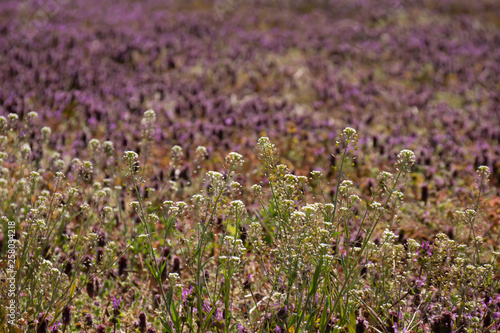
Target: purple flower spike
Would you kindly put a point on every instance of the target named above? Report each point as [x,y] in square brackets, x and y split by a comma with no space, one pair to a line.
[55,327]
[116,303]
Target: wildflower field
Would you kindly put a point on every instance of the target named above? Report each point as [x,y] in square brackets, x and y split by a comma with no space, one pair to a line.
[250,166]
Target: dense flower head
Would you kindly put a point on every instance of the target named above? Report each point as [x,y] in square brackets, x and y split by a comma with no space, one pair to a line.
[406,159]
[237,209]
[150,116]
[235,160]
[483,174]
[94,145]
[130,156]
[131,159]
[116,303]
[108,148]
[201,153]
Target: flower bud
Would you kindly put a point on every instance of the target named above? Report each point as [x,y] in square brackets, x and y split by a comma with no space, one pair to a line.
[122,265]
[66,315]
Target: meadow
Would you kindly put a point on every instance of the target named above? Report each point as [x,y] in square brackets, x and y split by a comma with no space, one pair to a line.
[249,166]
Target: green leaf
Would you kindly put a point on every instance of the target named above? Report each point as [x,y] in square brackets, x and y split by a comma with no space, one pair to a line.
[314,285]
[352,323]
[209,317]
[324,318]
[337,233]
[166,325]
[151,270]
[163,266]
[175,318]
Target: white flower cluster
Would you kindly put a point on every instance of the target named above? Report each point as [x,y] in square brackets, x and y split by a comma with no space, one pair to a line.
[315,174]
[266,149]
[216,181]
[107,213]
[398,195]
[198,200]
[153,218]
[46,131]
[345,187]
[177,153]
[482,177]
[108,148]
[34,176]
[406,159]
[310,209]
[131,158]
[201,153]
[299,216]
[13,119]
[3,156]
[237,209]
[173,278]
[388,237]
[257,189]
[234,160]
[231,259]
[484,171]
[147,124]
[255,235]
[99,195]
[32,117]
[59,164]
[384,178]
[348,136]
[233,247]
[25,150]
[265,142]
[94,146]
[3,124]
